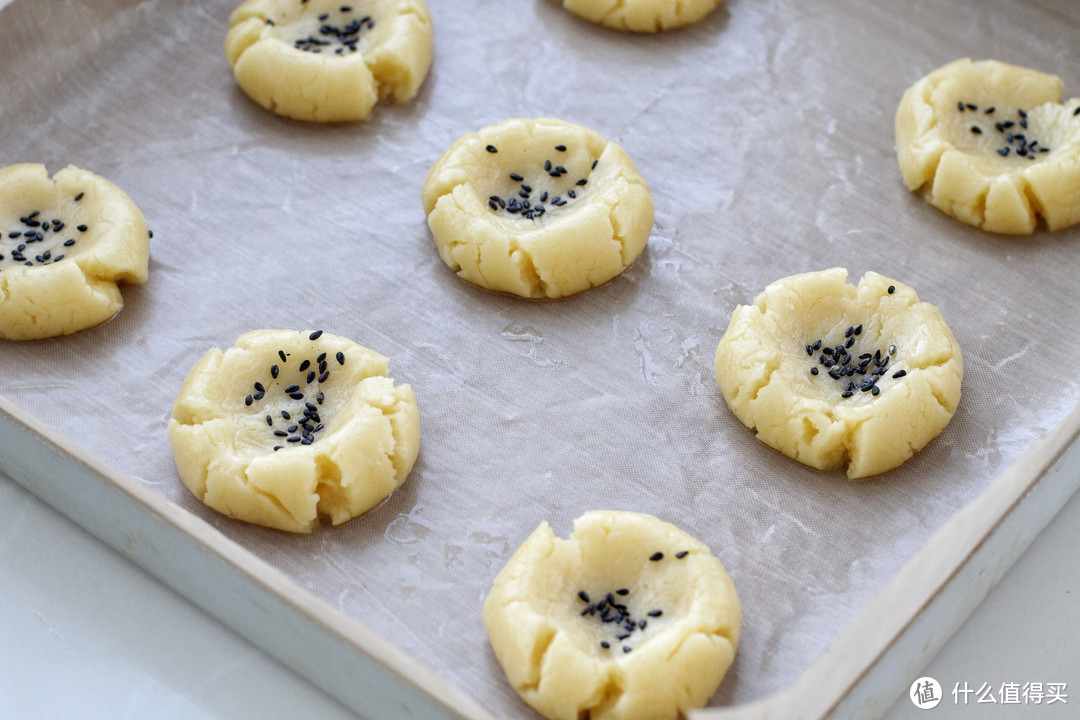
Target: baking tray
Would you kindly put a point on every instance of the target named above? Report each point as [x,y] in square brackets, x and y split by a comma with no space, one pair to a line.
[766,133]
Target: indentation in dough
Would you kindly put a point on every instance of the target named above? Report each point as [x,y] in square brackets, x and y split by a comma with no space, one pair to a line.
[224,451]
[566,249]
[765,377]
[988,179]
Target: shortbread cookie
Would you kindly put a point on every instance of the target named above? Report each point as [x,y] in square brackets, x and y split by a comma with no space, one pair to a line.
[537,208]
[833,375]
[287,426]
[992,145]
[65,243]
[629,618]
[643,16]
[329,61]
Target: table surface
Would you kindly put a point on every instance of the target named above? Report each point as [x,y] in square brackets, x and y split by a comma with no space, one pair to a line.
[78,616]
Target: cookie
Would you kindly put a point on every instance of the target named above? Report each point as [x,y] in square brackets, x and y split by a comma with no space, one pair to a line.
[537,208]
[641,16]
[992,145]
[286,426]
[65,243]
[833,375]
[323,61]
[629,618]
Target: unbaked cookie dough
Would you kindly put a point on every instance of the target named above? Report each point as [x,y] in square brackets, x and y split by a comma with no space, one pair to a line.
[329,61]
[629,618]
[65,243]
[992,145]
[537,208]
[643,16]
[833,375]
[287,426]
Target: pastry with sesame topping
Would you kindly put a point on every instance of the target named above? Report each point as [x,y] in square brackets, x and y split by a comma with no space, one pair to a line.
[629,618]
[288,426]
[65,243]
[324,61]
[993,145]
[834,375]
[641,16]
[537,208]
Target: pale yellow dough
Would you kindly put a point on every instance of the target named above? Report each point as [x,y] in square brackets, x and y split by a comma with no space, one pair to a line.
[66,288]
[224,447]
[567,249]
[643,16]
[763,369]
[276,65]
[551,651]
[963,172]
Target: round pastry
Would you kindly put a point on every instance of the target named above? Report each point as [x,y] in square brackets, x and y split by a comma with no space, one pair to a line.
[992,145]
[329,61]
[537,208]
[287,426]
[65,243]
[834,375]
[643,16]
[628,618]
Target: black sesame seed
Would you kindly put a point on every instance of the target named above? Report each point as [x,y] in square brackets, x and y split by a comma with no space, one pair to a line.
[582,182]
[850,342]
[560,148]
[293,439]
[515,177]
[79,197]
[150,234]
[315,335]
[281,433]
[322,378]
[605,644]
[248,400]
[976,129]
[655,613]
[274,371]
[492,149]
[1076,112]
[259,395]
[277,447]
[1003,152]
[292,388]
[305,365]
[270,421]
[622,637]
[311,407]
[594,164]
[899,373]
[892,349]
[318,398]
[285,414]
[259,387]
[571,194]
[683,553]
[813,371]
[626,648]
[281,354]
[296,395]
[310,376]
[656,556]
[892,289]
[846,394]
[990,110]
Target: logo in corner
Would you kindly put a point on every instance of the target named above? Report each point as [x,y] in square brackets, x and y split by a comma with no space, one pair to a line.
[925,693]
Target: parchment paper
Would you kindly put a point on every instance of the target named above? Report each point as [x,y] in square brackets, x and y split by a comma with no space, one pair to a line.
[766,133]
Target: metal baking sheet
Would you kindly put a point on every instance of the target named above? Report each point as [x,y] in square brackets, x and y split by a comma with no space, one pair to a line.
[766,135]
